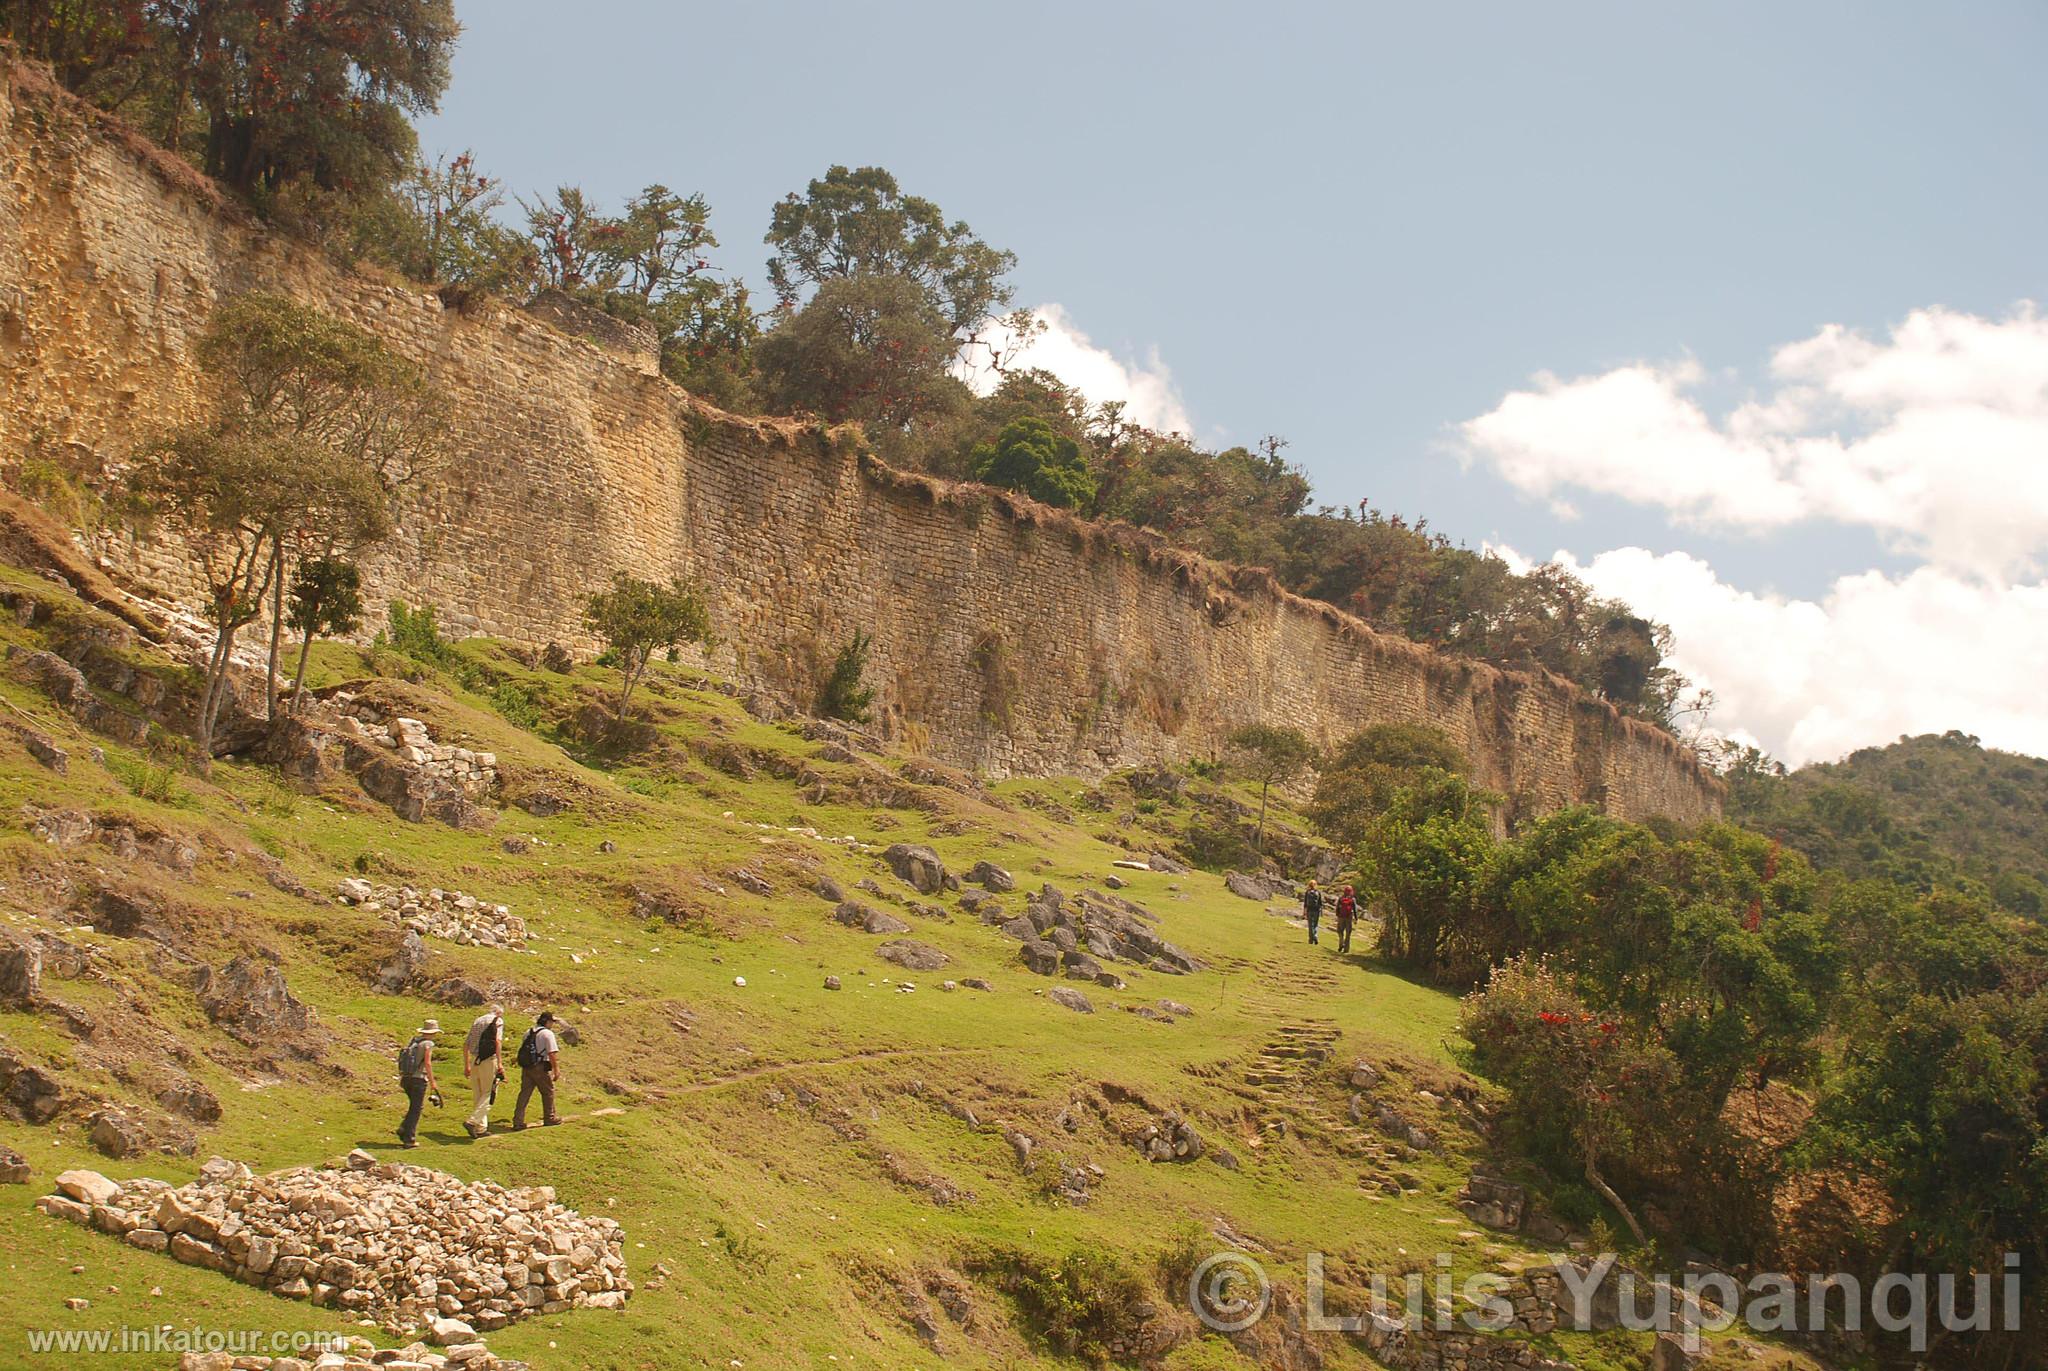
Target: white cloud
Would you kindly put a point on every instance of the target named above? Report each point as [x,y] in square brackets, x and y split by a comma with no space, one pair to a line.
[1936,437]
[1146,387]
[1877,656]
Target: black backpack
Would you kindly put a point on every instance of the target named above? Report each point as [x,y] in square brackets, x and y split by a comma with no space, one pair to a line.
[487,1042]
[1313,902]
[529,1048]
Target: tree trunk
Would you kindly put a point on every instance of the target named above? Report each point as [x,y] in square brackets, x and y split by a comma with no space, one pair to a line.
[276,631]
[299,679]
[1259,834]
[1606,1192]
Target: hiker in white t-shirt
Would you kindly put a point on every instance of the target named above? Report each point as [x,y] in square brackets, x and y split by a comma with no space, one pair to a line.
[540,1066]
[483,1061]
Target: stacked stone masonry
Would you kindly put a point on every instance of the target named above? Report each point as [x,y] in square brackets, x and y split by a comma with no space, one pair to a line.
[1006,639]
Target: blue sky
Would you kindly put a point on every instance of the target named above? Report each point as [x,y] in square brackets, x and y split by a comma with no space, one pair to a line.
[1363,227]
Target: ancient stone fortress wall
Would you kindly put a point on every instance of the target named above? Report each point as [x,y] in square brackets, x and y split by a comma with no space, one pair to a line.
[1007,637]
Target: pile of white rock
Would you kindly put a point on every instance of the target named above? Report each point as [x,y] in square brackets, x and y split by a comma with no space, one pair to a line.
[409,1246]
[358,1354]
[438,913]
[476,773]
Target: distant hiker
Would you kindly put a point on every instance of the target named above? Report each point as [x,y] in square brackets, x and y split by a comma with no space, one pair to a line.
[540,1066]
[1347,914]
[416,1076]
[1312,906]
[483,1061]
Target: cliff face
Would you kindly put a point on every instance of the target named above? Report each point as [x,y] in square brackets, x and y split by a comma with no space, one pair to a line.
[1006,637]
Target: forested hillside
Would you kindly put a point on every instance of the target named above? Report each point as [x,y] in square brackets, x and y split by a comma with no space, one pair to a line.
[1928,811]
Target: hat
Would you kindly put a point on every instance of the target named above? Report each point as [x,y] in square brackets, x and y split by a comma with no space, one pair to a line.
[427,1029]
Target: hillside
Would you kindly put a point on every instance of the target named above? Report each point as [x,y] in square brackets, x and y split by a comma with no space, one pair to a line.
[1925,811]
[875,1174]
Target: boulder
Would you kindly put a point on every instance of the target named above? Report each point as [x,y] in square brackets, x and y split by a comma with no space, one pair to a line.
[21,971]
[14,1168]
[191,1100]
[917,865]
[1069,998]
[405,964]
[1494,1203]
[912,955]
[46,752]
[27,1092]
[857,915]
[249,998]
[1040,957]
[1159,861]
[1081,967]
[991,877]
[119,1135]
[831,982]
[88,1187]
[1247,887]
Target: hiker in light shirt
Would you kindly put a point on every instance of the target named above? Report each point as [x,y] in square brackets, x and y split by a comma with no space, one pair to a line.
[483,1061]
[540,1066]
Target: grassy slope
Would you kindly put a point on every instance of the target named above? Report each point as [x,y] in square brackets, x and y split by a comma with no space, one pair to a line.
[782,1224]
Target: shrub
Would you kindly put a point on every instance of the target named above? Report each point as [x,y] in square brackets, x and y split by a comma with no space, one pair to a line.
[417,634]
[844,696]
[517,706]
[1082,1304]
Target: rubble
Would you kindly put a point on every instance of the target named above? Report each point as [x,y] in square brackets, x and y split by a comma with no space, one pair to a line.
[474,773]
[406,1245]
[438,913]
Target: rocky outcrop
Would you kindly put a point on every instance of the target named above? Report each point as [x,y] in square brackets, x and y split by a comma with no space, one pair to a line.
[912,955]
[249,998]
[920,867]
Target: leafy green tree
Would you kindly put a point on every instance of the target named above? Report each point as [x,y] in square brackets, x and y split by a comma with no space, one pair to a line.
[1587,1090]
[854,224]
[869,349]
[443,230]
[845,694]
[326,601]
[236,495]
[1358,780]
[636,618]
[1031,456]
[294,91]
[293,374]
[1425,864]
[1270,754]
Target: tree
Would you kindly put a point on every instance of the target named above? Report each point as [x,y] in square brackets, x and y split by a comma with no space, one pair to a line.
[1269,754]
[1031,456]
[297,91]
[449,234]
[326,600]
[635,618]
[1359,779]
[845,695]
[236,496]
[869,349]
[293,374]
[851,224]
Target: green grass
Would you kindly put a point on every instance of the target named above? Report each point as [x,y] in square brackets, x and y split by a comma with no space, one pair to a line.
[783,1228]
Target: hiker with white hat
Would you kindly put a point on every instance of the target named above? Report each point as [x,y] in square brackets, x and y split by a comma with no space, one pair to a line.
[416,1075]
[483,1061]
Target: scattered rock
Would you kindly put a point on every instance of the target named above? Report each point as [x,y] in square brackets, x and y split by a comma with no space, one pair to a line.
[991,877]
[857,915]
[912,955]
[1494,1203]
[46,752]
[975,983]
[87,1187]
[831,982]
[830,890]
[404,967]
[1068,997]
[21,971]
[1364,1075]
[191,1100]
[1159,861]
[1170,1139]
[14,1168]
[1040,957]
[249,999]
[1248,887]
[917,865]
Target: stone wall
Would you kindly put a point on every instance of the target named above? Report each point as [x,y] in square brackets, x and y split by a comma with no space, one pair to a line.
[1007,637]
